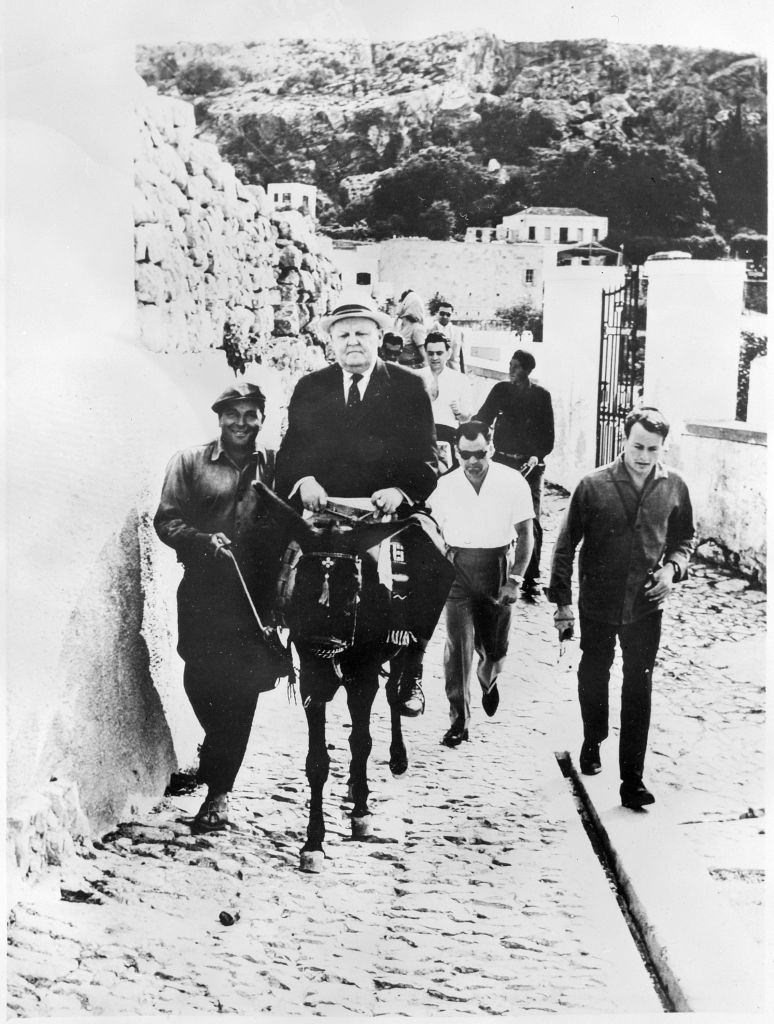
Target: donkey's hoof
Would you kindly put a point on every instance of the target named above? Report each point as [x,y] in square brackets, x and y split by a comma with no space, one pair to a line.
[362,827]
[312,861]
[398,761]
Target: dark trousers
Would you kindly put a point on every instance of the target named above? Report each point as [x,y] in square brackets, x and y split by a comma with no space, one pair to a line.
[535,481]
[223,699]
[639,646]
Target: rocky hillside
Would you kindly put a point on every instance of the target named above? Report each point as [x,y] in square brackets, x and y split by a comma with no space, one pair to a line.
[321,111]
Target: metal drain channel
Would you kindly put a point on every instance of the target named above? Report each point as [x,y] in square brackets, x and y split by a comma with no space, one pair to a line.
[601,847]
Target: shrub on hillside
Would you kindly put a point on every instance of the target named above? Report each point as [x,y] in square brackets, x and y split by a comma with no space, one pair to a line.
[199,77]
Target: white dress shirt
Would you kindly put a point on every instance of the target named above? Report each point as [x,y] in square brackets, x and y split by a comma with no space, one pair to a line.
[361,384]
[486,519]
[453,386]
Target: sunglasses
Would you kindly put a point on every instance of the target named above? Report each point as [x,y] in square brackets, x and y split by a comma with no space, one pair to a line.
[480,453]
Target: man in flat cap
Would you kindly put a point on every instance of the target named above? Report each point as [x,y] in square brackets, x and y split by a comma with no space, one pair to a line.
[207,513]
[360,430]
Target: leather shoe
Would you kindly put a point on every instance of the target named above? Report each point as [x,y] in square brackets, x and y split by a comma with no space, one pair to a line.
[530,592]
[490,700]
[454,736]
[411,699]
[212,816]
[634,795]
[590,763]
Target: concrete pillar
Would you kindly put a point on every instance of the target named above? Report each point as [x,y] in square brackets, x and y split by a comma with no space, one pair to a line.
[568,364]
[693,328]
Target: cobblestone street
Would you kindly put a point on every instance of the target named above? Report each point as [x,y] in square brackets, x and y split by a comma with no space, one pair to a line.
[480,892]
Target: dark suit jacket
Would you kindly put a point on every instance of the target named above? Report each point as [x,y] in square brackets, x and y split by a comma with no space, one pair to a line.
[389,441]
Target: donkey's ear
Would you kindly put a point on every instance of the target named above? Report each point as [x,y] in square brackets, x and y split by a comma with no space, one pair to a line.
[283,514]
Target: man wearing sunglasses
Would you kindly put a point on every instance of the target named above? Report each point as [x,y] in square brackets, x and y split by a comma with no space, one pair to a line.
[485,512]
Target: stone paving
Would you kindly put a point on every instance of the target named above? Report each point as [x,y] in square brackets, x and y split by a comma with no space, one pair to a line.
[479,894]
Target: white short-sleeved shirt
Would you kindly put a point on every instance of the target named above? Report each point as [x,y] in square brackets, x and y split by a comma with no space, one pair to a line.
[484,520]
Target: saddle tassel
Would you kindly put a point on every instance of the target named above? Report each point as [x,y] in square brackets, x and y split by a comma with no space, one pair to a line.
[325,593]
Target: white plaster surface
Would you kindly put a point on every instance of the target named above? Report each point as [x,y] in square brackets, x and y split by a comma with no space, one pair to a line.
[569,364]
[727,480]
[692,350]
[478,279]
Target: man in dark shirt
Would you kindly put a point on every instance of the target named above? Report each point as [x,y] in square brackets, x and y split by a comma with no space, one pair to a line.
[523,435]
[635,520]
[208,509]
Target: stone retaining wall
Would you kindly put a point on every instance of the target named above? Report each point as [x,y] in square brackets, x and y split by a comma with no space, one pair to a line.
[215,264]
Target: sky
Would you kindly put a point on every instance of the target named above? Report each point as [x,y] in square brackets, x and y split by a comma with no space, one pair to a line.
[39,28]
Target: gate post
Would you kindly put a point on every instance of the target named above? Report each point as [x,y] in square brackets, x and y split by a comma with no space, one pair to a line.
[568,364]
[693,331]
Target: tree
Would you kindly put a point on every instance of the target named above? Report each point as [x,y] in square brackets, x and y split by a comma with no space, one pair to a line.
[523,316]
[508,133]
[644,189]
[434,175]
[438,222]
[737,167]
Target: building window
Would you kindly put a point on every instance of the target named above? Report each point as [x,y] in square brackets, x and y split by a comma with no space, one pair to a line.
[529,276]
[546,234]
[531,234]
[595,234]
[562,234]
[276,197]
[362,278]
[286,198]
[580,234]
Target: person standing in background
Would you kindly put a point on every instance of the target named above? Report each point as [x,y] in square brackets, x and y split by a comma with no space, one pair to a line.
[443,325]
[523,418]
[410,324]
[449,393]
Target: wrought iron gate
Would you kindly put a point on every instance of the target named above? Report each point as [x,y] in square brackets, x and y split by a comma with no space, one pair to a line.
[620,365]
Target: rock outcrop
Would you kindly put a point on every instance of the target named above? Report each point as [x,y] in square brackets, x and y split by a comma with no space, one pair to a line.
[324,110]
[216,265]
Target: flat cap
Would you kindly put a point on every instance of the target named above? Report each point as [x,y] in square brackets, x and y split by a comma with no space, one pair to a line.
[244,392]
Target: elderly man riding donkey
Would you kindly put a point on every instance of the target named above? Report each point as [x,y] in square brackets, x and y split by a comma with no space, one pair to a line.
[364,579]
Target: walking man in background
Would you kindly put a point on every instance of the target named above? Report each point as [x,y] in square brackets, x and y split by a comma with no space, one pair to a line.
[449,393]
[635,521]
[523,420]
[207,512]
[443,325]
[482,509]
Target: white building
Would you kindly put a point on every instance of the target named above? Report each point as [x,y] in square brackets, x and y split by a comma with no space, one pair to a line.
[291,194]
[358,264]
[481,235]
[552,225]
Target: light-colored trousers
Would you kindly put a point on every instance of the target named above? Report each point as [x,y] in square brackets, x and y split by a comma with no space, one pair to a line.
[475,625]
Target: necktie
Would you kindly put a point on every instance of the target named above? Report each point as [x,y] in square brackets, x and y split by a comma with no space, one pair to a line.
[353,395]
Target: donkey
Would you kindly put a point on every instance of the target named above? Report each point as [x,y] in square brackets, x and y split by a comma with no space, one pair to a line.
[355,591]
